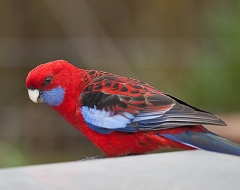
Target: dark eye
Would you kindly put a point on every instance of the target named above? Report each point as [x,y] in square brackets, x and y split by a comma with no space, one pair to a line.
[47,81]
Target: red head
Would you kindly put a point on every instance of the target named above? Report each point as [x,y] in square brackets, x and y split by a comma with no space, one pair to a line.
[55,83]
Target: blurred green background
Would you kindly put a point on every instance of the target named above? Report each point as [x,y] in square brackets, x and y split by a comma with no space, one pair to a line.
[187,48]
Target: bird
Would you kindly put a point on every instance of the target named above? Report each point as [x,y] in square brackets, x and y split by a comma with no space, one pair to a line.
[124,116]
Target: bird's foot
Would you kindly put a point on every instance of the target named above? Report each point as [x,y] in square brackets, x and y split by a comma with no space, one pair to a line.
[92,158]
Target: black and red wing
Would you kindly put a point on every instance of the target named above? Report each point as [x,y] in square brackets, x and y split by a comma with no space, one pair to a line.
[124,104]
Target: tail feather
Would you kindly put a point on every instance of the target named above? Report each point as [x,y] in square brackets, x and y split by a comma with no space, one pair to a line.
[207,141]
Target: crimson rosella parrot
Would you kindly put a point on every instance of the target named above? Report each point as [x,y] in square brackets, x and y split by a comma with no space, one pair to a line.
[123,116]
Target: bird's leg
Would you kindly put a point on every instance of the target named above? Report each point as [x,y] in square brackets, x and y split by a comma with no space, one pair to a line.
[92,158]
[101,157]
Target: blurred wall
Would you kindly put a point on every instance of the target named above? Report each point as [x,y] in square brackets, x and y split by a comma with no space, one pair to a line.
[188,48]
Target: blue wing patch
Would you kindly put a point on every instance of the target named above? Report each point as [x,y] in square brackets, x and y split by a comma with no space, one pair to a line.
[99,129]
[105,122]
[99,120]
[102,120]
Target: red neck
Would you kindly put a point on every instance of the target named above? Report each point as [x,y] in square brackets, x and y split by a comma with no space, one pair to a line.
[70,108]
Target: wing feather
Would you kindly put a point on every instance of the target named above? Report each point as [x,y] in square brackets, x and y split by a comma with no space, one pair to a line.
[116,103]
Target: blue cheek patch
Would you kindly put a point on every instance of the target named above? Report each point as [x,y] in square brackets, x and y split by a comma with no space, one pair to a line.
[53,97]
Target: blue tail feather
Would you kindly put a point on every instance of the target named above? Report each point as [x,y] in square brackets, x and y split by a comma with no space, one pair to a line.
[207,141]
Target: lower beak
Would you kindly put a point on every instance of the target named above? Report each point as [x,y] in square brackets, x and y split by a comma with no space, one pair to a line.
[34,95]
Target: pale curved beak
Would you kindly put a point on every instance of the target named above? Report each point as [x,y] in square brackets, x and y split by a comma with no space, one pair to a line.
[34,95]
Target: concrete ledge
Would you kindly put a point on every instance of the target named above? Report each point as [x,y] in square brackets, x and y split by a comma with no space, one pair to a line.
[168,171]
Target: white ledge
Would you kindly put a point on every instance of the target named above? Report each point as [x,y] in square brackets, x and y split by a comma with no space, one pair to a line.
[167,171]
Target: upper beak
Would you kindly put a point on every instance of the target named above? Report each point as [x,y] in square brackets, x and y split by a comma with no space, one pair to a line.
[34,95]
